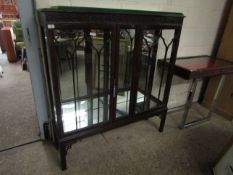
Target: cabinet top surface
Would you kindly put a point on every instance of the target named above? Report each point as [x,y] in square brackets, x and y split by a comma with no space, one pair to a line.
[69,9]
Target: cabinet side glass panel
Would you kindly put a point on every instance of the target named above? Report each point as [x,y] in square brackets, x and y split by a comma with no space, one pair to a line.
[156,50]
[49,79]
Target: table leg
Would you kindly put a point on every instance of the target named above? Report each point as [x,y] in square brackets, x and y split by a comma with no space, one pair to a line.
[188,103]
[216,95]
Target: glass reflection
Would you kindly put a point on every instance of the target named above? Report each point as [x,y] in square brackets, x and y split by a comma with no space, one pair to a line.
[83,58]
[156,45]
[127,37]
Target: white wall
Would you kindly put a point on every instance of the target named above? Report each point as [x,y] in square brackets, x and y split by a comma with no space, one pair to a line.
[26,12]
[198,34]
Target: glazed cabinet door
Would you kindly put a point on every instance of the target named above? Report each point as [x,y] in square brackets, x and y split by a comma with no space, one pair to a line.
[141,83]
[153,79]
[81,58]
[124,65]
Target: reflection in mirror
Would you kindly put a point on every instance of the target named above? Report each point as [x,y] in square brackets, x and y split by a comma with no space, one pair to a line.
[125,71]
[156,45]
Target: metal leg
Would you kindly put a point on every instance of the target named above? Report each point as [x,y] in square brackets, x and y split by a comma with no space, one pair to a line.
[188,103]
[214,101]
[216,95]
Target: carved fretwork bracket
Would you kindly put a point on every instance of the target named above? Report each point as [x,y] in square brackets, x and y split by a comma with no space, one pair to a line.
[67,147]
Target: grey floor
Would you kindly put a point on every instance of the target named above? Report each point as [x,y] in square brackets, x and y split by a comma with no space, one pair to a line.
[18,122]
[137,148]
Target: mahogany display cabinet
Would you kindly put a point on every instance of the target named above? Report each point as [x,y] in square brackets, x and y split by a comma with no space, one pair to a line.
[101,68]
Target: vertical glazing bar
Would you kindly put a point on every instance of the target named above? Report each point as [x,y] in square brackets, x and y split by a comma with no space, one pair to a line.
[74,87]
[106,73]
[48,78]
[98,102]
[127,99]
[76,44]
[148,66]
[129,55]
[77,80]
[115,42]
[163,69]
[171,65]
[170,74]
[128,65]
[152,68]
[136,69]
[55,80]
[88,74]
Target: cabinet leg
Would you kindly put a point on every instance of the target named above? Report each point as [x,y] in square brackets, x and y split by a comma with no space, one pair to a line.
[162,122]
[63,156]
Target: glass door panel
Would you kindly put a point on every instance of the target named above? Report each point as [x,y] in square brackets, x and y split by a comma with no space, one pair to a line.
[125,63]
[156,46]
[84,62]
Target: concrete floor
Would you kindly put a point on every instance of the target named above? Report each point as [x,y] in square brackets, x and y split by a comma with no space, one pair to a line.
[137,148]
[18,122]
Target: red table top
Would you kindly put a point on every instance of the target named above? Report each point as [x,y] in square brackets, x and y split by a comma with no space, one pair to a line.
[194,64]
[202,67]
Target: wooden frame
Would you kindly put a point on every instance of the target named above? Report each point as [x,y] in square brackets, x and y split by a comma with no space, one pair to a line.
[63,18]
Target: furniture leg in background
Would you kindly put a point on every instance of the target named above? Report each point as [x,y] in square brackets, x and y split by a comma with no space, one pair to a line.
[189,104]
[193,68]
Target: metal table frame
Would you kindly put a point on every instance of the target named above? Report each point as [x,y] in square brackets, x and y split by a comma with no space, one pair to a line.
[199,67]
[189,101]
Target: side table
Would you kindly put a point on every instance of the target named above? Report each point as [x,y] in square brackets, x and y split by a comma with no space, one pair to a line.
[197,68]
